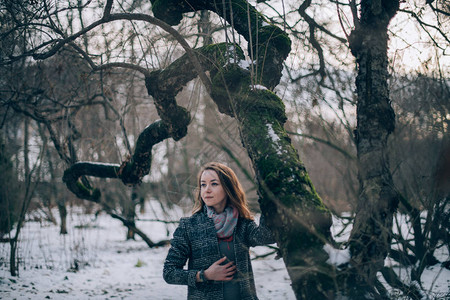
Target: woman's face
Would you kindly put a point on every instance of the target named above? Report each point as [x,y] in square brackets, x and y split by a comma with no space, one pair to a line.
[212,192]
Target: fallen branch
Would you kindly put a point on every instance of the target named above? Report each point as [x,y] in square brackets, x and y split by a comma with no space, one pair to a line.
[131,226]
[156,220]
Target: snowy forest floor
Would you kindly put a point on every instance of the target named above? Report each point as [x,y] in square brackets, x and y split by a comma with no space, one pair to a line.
[94,261]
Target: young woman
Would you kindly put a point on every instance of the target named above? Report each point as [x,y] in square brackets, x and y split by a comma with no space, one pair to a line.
[215,240]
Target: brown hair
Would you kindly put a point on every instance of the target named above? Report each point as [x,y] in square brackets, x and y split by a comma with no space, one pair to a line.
[231,186]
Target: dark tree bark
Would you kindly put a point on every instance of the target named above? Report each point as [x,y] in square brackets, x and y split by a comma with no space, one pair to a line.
[14,265]
[62,215]
[378,200]
[30,187]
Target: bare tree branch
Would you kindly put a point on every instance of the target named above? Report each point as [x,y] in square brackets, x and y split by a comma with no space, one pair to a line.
[130,17]
[133,227]
[108,7]
[107,66]
[312,26]
[436,9]
[425,27]
[326,142]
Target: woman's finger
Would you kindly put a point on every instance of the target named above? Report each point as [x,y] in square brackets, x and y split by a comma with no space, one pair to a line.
[230,267]
[228,264]
[220,260]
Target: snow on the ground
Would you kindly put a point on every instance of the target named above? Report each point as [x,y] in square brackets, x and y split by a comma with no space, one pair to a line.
[94,261]
[109,267]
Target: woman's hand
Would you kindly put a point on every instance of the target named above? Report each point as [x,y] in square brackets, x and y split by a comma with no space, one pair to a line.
[220,272]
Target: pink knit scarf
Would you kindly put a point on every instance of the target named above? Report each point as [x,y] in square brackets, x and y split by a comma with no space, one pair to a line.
[225,221]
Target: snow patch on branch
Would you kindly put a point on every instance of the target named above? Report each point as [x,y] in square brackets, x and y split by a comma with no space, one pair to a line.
[230,54]
[274,137]
[337,257]
[99,164]
[257,87]
[230,50]
[244,64]
[272,134]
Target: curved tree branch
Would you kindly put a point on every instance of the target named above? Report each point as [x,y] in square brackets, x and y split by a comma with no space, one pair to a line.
[130,172]
[269,44]
[436,9]
[163,85]
[328,143]
[312,27]
[107,66]
[80,169]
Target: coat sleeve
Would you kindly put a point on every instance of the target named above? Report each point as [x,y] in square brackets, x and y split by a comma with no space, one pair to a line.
[259,235]
[179,252]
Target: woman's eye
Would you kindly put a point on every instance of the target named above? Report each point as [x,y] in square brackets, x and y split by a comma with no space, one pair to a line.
[214,183]
[203,185]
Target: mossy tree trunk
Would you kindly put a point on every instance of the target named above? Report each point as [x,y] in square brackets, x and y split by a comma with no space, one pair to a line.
[288,200]
[377,201]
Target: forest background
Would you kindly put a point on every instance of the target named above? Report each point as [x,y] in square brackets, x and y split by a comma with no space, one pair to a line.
[73,92]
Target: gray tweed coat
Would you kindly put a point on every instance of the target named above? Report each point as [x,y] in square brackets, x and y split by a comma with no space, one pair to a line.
[195,241]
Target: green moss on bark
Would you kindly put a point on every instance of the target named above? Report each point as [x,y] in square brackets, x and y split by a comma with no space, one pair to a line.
[86,193]
[268,45]
[271,37]
[262,103]
[222,54]
[225,84]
